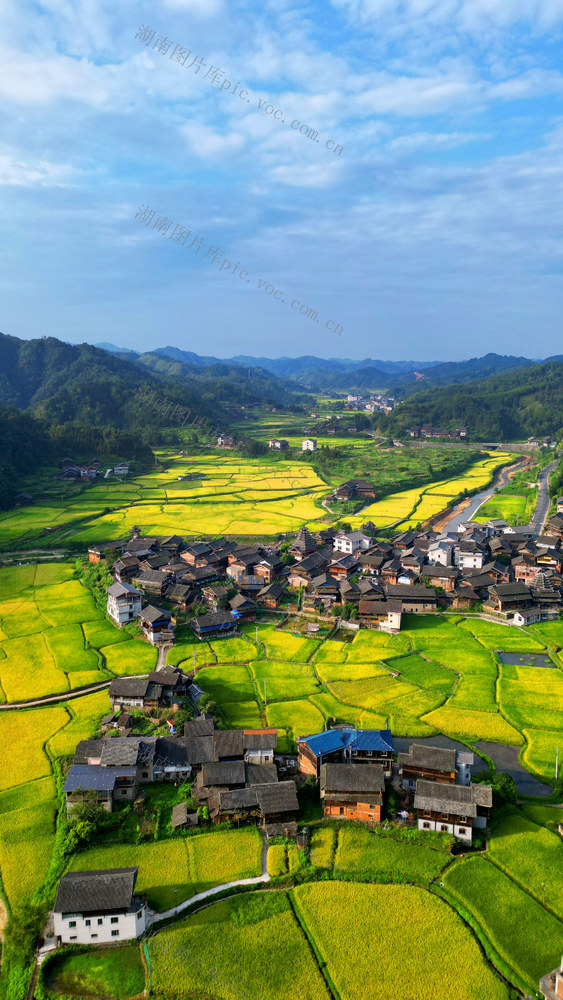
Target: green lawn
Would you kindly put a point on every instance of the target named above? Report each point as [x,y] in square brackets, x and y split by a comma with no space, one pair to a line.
[104,973]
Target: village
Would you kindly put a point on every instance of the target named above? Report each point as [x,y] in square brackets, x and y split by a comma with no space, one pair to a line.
[238,777]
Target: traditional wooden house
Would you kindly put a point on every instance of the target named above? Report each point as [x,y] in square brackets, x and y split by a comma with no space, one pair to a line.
[385,615]
[434,764]
[352,791]
[345,744]
[214,625]
[157,625]
[270,596]
[453,809]
[415,598]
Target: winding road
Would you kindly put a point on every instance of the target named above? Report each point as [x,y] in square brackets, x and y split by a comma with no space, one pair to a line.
[542,505]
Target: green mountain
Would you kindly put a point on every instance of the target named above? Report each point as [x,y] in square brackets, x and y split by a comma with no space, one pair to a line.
[525,401]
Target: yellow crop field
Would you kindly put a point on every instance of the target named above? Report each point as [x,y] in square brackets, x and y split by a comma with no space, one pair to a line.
[27,834]
[82,721]
[473,725]
[22,735]
[409,507]
[409,914]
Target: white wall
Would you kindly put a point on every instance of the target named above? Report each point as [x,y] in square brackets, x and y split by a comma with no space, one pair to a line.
[98,928]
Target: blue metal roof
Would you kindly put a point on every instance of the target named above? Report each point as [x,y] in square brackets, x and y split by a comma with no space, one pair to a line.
[354,739]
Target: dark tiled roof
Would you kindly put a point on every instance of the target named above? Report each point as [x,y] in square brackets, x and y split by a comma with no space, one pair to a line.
[436,758]
[202,726]
[261,774]
[461,800]
[214,620]
[181,816]
[152,614]
[352,777]
[199,749]
[277,797]
[228,743]
[96,891]
[265,739]
[94,777]
[129,687]
[231,772]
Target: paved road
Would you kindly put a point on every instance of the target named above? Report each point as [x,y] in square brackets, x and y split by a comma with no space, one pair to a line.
[542,505]
[467,513]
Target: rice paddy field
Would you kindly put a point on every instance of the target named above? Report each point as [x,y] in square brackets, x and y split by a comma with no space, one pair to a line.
[267,946]
[188,865]
[411,507]
[29,742]
[54,639]
[441,674]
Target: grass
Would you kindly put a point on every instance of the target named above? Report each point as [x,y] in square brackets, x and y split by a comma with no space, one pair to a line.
[393,856]
[84,715]
[525,935]
[133,657]
[249,946]
[300,717]
[539,753]
[189,865]
[361,964]
[323,842]
[548,816]
[105,973]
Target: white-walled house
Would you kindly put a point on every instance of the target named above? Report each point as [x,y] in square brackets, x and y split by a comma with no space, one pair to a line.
[95,907]
[453,809]
[309,445]
[352,542]
[124,603]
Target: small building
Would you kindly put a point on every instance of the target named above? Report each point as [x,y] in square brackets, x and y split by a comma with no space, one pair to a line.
[533,614]
[134,692]
[270,596]
[243,608]
[122,469]
[123,603]
[352,791]
[415,598]
[434,764]
[95,907]
[157,625]
[278,445]
[453,809]
[351,542]
[214,625]
[182,819]
[345,744]
[106,785]
[309,444]
[384,615]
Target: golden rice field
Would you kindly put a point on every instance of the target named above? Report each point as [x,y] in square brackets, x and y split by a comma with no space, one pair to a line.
[409,507]
[52,635]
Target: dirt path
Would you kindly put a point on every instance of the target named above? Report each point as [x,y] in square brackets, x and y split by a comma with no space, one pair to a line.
[77,693]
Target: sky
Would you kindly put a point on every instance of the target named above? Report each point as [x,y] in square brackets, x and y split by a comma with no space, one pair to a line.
[380,178]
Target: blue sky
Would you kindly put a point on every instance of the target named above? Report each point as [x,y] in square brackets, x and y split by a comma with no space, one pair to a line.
[435,233]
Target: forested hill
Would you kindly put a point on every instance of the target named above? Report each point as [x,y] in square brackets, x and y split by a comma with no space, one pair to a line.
[63,383]
[516,404]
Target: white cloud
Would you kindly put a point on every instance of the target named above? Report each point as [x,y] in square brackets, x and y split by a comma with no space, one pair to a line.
[201,8]
[206,142]
[42,173]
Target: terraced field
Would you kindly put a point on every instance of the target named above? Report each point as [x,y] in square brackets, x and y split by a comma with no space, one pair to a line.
[411,507]
[440,674]
[54,639]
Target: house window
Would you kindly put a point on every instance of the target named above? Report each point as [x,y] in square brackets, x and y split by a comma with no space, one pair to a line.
[463,819]
[93,935]
[139,915]
[87,922]
[115,933]
[145,774]
[73,937]
[444,828]
[341,810]
[426,826]
[114,920]
[462,831]
[72,923]
[100,921]
[445,815]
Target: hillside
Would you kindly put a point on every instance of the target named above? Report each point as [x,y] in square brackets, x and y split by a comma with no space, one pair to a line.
[519,403]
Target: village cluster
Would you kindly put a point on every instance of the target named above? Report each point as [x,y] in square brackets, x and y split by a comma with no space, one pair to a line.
[238,774]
